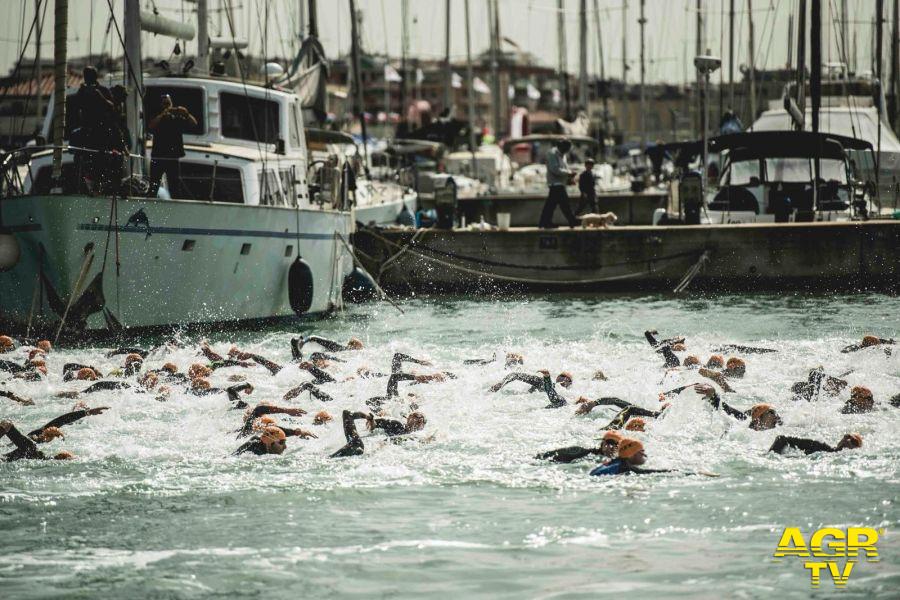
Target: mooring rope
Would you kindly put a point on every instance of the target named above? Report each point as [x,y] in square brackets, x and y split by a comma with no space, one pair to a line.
[692,273]
[380,290]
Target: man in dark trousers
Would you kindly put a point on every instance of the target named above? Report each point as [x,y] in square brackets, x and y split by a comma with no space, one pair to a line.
[558,177]
[587,185]
[90,125]
[168,127]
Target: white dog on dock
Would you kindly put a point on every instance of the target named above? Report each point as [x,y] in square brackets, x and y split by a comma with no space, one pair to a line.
[594,220]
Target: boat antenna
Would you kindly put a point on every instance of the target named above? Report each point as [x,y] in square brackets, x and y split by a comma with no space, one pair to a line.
[815,85]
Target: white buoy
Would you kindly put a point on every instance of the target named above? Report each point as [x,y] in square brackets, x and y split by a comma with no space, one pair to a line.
[272,70]
[9,251]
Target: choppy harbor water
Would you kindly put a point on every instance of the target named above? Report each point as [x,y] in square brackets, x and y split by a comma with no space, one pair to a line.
[155,506]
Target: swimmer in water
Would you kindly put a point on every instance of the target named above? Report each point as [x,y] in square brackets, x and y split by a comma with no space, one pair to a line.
[318,374]
[310,387]
[743,349]
[762,416]
[272,440]
[51,430]
[331,346]
[629,459]
[850,441]
[26,448]
[535,381]
[816,382]
[80,372]
[861,401]
[393,383]
[608,448]
[266,409]
[354,445]
[415,421]
[869,341]
[17,399]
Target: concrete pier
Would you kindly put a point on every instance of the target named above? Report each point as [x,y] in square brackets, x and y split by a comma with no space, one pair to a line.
[811,256]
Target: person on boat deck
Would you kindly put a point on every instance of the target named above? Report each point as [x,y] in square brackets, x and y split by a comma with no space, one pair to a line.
[609,447]
[762,416]
[869,341]
[587,185]
[26,448]
[850,441]
[631,456]
[91,122]
[331,346]
[558,177]
[168,128]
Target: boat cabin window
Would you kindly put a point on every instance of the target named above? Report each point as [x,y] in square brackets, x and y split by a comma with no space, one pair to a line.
[743,172]
[248,118]
[188,97]
[204,181]
[800,170]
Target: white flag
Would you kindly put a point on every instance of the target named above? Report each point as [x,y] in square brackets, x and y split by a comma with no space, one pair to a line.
[481,87]
[510,92]
[420,76]
[533,92]
[456,80]
[391,75]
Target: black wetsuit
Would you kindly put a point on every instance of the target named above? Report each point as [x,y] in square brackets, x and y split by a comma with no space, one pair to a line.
[392,391]
[234,394]
[319,375]
[716,402]
[671,359]
[105,385]
[66,419]
[329,345]
[535,381]
[665,348]
[139,351]
[70,370]
[256,413]
[568,454]
[253,446]
[15,398]
[556,401]
[626,414]
[392,427]
[226,363]
[743,349]
[25,447]
[856,347]
[810,389]
[807,446]
[480,361]
[400,358]
[12,367]
[308,387]
[354,446]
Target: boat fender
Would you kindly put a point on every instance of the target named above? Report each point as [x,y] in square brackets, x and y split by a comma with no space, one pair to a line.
[300,286]
[359,287]
[10,252]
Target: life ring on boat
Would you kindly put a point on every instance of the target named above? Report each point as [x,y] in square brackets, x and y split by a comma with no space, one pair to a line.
[10,252]
[359,287]
[300,286]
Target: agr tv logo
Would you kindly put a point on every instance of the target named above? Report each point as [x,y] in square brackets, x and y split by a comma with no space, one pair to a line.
[828,545]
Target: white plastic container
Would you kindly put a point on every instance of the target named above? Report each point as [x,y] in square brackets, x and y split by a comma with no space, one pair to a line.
[503,220]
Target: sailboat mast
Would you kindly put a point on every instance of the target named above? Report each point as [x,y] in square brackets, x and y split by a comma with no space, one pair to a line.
[38,71]
[448,69]
[752,50]
[624,46]
[60,41]
[134,77]
[313,19]
[731,54]
[493,18]
[561,54]
[471,88]
[895,63]
[602,75]
[357,81]
[582,55]
[815,82]
[643,21]
[202,64]
[404,53]
[801,59]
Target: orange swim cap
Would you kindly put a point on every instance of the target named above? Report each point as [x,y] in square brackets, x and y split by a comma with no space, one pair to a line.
[149,380]
[856,438]
[86,374]
[321,418]
[133,358]
[612,435]
[45,345]
[514,358]
[198,370]
[200,384]
[758,410]
[715,362]
[861,392]
[691,361]
[678,348]
[35,352]
[736,364]
[599,376]
[629,447]
[170,367]
[635,424]
[64,456]
[51,433]
[870,340]
[565,375]
[272,434]
[355,344]
[6,343]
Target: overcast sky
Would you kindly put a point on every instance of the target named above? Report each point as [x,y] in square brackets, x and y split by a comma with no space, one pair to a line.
[671,30]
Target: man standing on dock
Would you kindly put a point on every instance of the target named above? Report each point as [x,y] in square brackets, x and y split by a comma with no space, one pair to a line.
[558,177]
